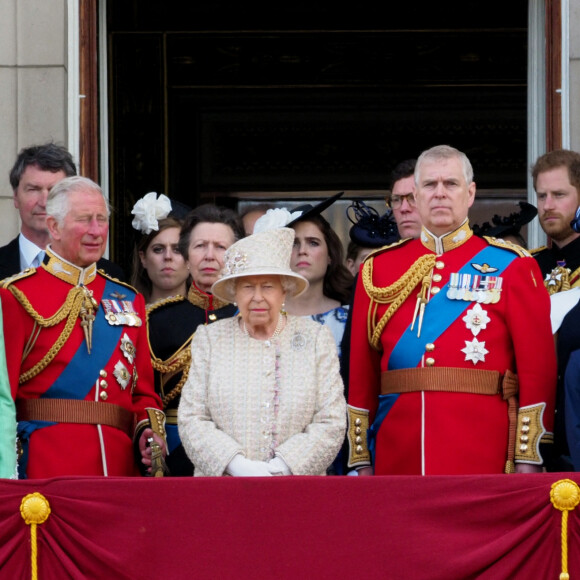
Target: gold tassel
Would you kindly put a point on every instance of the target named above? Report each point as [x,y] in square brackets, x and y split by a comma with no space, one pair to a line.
[34,510]
[87,315]
[565,495]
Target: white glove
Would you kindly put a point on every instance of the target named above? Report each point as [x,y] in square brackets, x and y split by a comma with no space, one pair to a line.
[353,472]
[277,466]
[240,466]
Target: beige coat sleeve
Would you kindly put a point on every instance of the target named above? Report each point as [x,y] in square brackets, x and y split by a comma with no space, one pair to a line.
[209,448]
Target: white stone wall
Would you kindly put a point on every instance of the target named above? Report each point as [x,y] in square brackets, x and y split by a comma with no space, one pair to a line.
[33,87]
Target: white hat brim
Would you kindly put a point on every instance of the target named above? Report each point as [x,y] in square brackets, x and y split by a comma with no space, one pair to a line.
[222,289]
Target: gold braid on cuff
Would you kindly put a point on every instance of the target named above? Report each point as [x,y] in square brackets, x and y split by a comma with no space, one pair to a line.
[358,424]
[529,433]
[157,420]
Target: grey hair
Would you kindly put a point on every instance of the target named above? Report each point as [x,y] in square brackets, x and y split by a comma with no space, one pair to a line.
[57,203]
[289,284]
[440,152]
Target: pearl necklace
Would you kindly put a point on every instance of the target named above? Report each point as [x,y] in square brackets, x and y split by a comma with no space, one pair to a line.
[279,327]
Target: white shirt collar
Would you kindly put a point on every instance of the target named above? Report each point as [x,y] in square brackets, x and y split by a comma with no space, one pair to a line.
[28,251]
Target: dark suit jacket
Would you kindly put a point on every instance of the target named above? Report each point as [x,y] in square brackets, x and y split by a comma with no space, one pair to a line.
[10,262]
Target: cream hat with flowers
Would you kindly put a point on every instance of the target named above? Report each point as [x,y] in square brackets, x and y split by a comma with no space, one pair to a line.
[266,253]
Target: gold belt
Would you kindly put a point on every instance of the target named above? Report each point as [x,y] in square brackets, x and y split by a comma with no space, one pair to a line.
[171,417]
[449,379]
[72,411]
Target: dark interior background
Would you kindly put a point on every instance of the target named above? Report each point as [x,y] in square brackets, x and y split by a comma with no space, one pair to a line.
[223,101]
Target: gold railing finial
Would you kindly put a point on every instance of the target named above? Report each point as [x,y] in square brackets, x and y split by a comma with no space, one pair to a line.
[34,510]
[565,496]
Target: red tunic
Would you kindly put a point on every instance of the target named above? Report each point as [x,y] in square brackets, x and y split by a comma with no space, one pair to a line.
[67,448]
[442,432]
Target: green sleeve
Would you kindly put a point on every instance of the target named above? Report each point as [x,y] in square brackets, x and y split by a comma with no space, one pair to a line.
[7,416]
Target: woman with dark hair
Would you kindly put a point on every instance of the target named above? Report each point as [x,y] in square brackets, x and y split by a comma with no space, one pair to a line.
[318,255]
[206,232]
[159,269]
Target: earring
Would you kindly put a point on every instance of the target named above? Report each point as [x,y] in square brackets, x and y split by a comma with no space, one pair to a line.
[235,303]
[283,309]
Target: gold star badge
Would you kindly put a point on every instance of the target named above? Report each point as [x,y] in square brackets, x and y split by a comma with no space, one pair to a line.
[475,351]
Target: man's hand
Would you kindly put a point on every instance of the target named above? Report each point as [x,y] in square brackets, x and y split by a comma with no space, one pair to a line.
[365,471]
[145,450]
[528,468]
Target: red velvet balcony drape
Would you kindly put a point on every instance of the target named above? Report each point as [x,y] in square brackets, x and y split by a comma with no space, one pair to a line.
[436,527]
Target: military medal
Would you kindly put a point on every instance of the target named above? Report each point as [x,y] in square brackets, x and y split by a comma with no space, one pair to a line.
[113,312]
[482,289]
[122,375]
[453,285]
[130,313]
[128,348]
[558,279]
[488,295]
[121,313]
[474,290]
[475,351]
[495,291]
[481,285]
[476,319]
[464,293]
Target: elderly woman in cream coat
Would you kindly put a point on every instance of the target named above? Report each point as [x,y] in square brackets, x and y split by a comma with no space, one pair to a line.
[264,394]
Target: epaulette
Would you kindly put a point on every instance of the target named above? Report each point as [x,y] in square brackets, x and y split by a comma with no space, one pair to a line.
[164,302]
[379,251]
[499,243]
[113,279]
[535,251]
[20,276]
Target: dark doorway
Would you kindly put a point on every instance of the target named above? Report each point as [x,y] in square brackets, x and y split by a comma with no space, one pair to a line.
[220,101]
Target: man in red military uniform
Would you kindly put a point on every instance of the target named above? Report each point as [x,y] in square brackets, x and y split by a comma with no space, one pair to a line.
[452,359]
[77,352]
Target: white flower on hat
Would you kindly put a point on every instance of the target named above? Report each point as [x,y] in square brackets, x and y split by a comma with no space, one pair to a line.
[149,210]
[275,218]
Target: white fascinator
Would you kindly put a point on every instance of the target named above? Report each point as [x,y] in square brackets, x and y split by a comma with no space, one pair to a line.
[149,210]
[275,218]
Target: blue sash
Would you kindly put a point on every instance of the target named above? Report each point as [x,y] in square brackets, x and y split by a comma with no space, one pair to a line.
[441,312]
[172,436]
